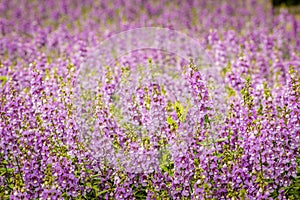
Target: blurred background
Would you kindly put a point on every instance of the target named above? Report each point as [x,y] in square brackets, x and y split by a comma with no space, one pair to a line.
[286,2]
[292,5]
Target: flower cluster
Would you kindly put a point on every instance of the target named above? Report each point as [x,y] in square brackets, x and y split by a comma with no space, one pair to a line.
[152,125]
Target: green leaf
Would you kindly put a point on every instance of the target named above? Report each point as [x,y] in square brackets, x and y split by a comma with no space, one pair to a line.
[220,155]
[3,79]
[206,119]
[231,92]
[243,193]
[172,122]
[248,78]
[208,108]
[260,109]
[221,139]
[163,167]
[10,170]
[103,192]
[179,110]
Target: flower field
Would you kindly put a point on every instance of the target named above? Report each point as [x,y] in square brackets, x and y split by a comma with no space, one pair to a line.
[140,99]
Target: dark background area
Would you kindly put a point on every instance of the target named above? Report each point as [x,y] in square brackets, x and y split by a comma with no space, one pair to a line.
[285,2]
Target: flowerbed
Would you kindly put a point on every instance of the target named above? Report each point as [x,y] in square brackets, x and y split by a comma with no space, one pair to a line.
[150,125]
